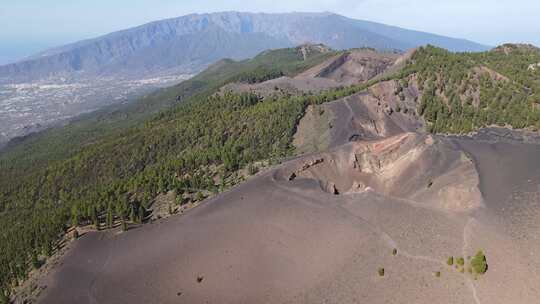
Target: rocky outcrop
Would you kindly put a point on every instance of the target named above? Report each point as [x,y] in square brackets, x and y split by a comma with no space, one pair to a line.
[533,67]
[348,68]
[423,169]
[352,67]
[386,109]
[305,165]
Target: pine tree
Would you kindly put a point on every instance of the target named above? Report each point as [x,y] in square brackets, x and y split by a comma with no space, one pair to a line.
[132,214]
[124,225]
[74,216]
[36,263]
[199,196]
[142,214]
[95,219]
[109,217]
[48,248]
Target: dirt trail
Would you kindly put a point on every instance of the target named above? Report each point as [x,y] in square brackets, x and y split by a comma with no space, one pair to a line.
[466,247]
[391,243]
[91,288]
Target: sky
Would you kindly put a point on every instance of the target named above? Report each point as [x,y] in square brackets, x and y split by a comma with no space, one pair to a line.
[29,26]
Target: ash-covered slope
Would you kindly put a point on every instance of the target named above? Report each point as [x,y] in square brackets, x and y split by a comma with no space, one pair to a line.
[281,238]
[344,68]
[352,67]
[189,43]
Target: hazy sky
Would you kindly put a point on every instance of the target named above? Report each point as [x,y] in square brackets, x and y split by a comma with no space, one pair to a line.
[27,26]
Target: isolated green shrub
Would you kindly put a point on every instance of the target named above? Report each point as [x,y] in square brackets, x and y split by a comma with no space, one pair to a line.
[110,217]
[479,263]
[460,261]
[36,262]
[124,225]
[450,261]
[438,274]
[394,251]
[381,272]
[142,214]
[252,169]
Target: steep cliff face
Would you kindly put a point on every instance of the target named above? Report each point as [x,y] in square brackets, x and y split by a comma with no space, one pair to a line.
[379,112]
[133,54]
[428,170]
[344,69]
[354,66]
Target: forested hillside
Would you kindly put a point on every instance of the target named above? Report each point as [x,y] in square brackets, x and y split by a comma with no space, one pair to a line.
[465,91]
[35,151]
[205,138]
[109,164]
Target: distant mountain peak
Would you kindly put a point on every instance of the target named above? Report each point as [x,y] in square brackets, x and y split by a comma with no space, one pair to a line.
[187,44]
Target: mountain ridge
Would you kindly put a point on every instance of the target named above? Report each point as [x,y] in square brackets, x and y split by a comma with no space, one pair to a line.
[189,43]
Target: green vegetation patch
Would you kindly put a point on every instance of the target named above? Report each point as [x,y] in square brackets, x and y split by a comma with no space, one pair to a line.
[4,299]
[462,92]
[479,263]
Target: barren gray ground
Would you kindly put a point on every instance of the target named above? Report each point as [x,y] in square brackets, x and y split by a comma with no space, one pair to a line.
[272,240]
[286,238]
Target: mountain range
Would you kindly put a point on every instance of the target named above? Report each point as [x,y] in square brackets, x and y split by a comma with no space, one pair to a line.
[187,44]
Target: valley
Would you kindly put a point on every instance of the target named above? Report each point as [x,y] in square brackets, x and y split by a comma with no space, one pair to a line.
[32,107]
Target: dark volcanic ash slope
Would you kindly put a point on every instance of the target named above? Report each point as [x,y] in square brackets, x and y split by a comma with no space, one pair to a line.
[355,66]
[277,239]
[375,113]
[344,69]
